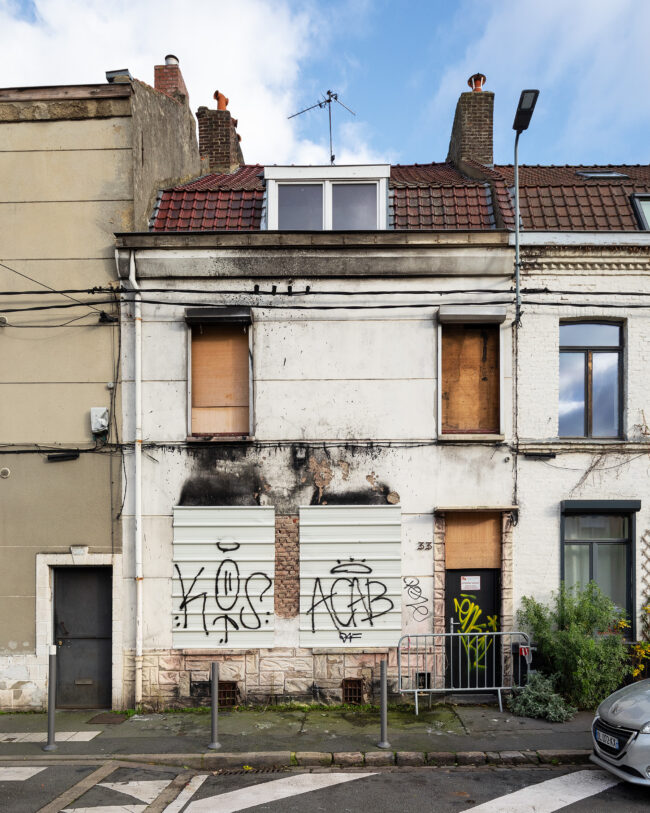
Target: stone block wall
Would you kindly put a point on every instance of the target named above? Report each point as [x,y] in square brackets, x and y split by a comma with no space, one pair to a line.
[172,678]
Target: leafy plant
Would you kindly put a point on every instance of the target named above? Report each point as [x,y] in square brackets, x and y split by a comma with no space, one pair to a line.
[538,698]
[580,642]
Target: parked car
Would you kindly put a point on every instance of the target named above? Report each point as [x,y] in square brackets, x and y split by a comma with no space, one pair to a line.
[621,733]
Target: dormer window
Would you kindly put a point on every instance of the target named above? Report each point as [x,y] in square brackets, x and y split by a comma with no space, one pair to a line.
[642,207]
[345,198]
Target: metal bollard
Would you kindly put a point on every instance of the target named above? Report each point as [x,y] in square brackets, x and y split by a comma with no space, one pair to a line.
[383,742]
[215,707]
[51,701]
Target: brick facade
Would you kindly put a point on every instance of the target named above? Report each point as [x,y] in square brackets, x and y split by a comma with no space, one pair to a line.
[218,140]
[169,79]
[287,566]
[471,134]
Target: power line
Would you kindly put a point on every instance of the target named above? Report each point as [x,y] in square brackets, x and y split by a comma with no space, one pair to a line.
[49,287]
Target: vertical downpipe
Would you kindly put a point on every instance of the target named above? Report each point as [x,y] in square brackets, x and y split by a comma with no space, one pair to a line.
[137,321]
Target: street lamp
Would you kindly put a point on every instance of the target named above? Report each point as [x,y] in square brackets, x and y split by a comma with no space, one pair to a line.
[527,102]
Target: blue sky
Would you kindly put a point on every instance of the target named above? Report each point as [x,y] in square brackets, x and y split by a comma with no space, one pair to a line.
[399,65]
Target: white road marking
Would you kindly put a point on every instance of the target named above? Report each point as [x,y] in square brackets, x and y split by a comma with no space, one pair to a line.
[146,790]
[18,774]
[107,809]
[551,795]
[266,792]
[186,794]
[61,736]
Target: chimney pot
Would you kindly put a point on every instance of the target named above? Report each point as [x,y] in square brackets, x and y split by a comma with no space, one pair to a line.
[222,101]
[476,82]
[170,59]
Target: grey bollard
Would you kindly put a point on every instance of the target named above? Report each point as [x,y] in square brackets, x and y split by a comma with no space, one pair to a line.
[51,701]
[383,742]
[215,744]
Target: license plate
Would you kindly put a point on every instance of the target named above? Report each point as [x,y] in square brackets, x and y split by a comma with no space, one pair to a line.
[607,739]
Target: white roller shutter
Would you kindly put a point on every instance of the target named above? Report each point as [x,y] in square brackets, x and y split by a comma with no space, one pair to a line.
[222,587]
[350,576]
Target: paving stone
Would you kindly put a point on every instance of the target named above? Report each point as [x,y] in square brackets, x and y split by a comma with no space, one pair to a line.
[567,756]
[493,757]
[379,758]
[414,758]
[513,758]
[441,758]
[348,759]
[313,758]
[470,757]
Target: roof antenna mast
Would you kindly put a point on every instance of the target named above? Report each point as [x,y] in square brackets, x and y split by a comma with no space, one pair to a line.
[330,97]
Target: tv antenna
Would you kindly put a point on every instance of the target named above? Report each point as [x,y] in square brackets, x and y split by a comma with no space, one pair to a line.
[330,97]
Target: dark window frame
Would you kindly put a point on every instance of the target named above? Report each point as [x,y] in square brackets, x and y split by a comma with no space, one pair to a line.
[588,351]
[625,508]
[638,211]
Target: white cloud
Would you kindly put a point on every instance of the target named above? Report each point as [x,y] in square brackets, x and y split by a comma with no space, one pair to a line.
[251,50]
[589,59]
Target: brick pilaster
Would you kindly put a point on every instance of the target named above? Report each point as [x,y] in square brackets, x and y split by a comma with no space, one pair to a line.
[287,566]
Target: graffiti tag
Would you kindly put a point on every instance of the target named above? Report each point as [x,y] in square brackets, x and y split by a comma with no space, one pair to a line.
[418,605]
[237,605]
[469,614]
[352,599]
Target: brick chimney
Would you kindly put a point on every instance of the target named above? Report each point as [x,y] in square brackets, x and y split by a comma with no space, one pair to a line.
[169,79]
[219,145]
[471,134]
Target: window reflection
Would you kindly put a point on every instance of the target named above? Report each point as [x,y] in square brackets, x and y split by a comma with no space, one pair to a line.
[572,394]
[300,207]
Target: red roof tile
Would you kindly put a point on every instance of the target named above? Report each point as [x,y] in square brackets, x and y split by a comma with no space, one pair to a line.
[432,196]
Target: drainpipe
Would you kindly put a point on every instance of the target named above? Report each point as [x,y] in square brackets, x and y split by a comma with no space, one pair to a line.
[137,321]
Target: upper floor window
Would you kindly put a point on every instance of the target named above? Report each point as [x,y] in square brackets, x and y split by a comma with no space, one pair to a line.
[591,360]
[327,198]
[642,207]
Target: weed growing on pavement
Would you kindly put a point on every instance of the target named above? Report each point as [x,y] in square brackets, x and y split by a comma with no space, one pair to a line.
[539,699]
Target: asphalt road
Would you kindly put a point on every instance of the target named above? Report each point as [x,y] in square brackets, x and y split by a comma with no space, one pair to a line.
[114,787]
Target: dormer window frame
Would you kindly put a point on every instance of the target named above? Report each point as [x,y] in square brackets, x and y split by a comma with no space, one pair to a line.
[327,177]
[642,212]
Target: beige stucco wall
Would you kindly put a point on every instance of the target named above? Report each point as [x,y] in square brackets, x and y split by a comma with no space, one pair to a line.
[76,165]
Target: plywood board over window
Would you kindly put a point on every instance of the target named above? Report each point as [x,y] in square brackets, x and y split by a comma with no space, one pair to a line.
[470,378]
[220,391]
[472,540]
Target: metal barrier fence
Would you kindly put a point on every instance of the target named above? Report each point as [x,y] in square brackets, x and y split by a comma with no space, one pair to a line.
[462,662]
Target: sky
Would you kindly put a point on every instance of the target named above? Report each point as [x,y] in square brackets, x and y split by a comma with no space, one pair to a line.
[400,65]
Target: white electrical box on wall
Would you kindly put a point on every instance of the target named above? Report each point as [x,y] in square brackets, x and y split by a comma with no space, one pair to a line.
[98,420]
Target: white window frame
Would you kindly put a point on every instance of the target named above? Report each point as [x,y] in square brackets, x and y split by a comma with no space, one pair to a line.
[327,176]
[468,314]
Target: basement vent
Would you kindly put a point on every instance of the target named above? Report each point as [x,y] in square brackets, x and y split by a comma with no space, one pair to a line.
[352,691]
[227,693]
[423,680]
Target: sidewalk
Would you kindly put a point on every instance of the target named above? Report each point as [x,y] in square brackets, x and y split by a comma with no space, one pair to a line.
[447,734]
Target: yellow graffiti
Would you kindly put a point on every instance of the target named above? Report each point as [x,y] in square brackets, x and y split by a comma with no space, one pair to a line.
[469,613]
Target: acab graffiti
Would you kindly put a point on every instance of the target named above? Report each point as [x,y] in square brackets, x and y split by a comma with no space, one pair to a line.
[469,614]
[240,602]
[352,599]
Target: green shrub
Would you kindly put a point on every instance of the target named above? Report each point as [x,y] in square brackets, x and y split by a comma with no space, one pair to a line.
[538,698]
[579,642]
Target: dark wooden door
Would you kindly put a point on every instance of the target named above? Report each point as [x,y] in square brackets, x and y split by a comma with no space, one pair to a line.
[82,628]
[472,601]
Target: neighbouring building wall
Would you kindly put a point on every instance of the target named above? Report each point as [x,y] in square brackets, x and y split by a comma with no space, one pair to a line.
[553,469]
[76,165]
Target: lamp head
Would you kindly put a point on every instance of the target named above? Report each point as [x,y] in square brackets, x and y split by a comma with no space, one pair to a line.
[527,102]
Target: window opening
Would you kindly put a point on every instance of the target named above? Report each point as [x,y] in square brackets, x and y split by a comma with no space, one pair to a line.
[470,379]
[590,379]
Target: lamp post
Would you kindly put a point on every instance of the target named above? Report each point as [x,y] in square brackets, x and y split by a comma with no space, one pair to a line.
[527,102]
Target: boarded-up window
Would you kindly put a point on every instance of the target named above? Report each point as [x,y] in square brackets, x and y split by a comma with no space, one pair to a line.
[472,540]
[220,391]
[470,378]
